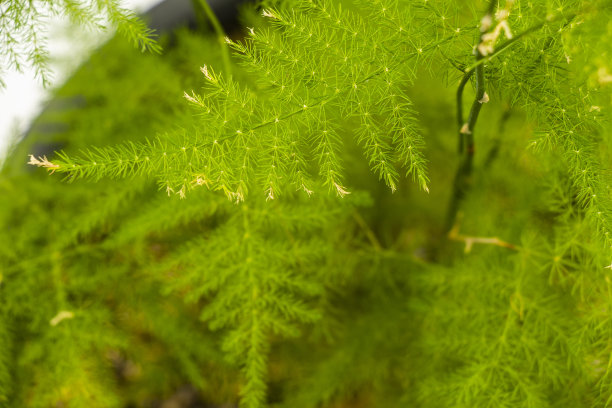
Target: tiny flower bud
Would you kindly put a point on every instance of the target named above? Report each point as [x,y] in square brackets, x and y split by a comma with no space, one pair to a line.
[484,99]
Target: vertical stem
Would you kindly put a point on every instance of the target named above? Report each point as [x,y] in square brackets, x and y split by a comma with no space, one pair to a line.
[460,122]
[214,21]
[466,130]
[475,111]
[255,365]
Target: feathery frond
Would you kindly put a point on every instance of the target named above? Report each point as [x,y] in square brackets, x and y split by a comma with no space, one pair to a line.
[24,42]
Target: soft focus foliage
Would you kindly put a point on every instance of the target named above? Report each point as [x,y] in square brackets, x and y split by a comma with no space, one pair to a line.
[305,249]
[23,40]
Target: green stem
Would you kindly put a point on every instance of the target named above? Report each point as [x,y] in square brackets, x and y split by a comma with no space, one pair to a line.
[460,122]
[214,21]
[466,130]
[469,71]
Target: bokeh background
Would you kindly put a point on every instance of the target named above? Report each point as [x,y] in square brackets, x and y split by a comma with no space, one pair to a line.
[24,97]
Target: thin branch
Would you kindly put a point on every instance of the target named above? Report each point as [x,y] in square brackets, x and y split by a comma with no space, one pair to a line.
[368,231]
[503,46]
[469,241]
[466,77]
[499,49]
[491,8]
[455,64]
[214,21]
[466,130]
[320,101]
[479,100]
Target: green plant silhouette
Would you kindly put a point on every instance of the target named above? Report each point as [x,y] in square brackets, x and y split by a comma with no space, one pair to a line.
[378,203]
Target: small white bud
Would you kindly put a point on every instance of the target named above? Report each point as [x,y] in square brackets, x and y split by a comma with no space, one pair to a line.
[502,14]
[340,190]
[43,162]
[191,98]
[270,194]
[306,190]
[206,73]
[485,23]
[506,28]
[269,14]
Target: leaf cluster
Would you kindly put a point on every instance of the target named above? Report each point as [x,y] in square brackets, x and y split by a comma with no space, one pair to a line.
[286,296]
[23,39]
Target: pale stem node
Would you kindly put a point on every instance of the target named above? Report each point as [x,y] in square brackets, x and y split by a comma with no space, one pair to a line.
[465,129]
[469,241]
[485,23]
[604,76]
[62,315]
[487,45]
[488,40]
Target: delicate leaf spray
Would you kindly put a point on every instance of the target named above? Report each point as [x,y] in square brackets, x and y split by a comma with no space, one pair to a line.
[287,225]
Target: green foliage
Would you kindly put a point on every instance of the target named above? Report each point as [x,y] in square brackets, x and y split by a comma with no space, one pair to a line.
[299,82]
[261,281]
[5,362]
[23,41]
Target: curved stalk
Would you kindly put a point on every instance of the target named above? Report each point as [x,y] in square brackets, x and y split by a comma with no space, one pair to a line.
[214,21]
[464,81]
[466,129]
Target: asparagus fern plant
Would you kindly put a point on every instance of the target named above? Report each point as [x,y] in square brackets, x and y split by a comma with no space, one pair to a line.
[23,39]
[279,271]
